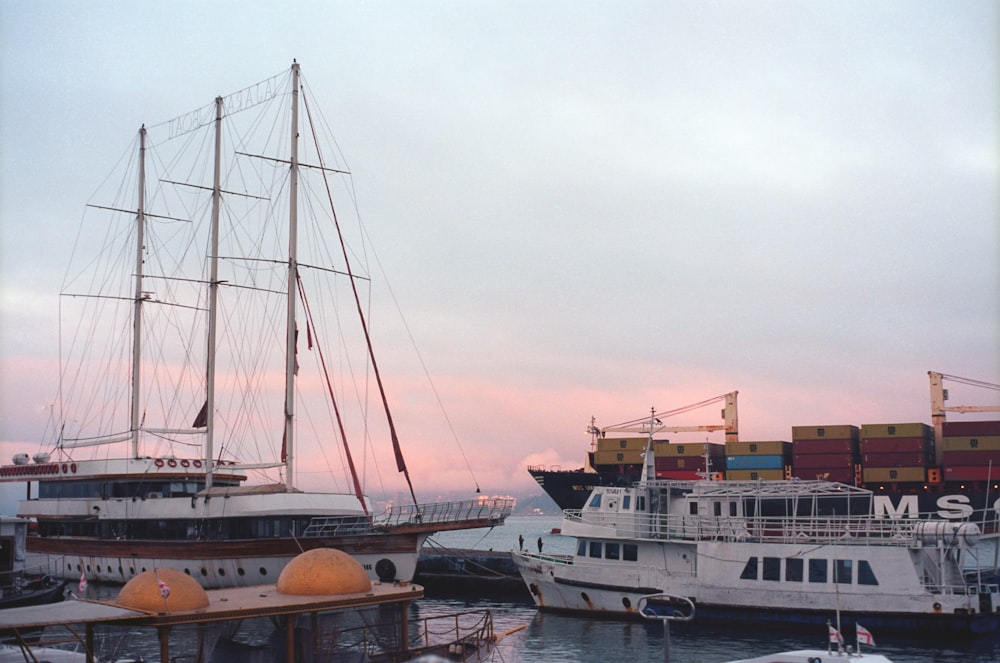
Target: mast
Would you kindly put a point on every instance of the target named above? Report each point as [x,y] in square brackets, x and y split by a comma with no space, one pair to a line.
[213,297]
[140,235]
[291,332]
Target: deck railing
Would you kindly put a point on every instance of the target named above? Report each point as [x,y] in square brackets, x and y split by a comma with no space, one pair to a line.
[493,510]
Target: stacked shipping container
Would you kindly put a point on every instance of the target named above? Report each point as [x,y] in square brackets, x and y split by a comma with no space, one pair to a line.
[896,452]
[971,450]
[687,461]
[825,452]
[749,461]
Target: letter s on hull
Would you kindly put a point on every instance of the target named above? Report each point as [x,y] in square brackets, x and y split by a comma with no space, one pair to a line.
[954,507]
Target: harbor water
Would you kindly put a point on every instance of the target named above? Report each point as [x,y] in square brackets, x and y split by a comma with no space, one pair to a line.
[556,638]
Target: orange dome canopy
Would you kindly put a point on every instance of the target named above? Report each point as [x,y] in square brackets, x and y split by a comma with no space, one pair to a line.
[323,571]
[144,592]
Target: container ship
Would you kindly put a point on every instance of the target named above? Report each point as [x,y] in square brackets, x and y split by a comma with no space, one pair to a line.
[948,469]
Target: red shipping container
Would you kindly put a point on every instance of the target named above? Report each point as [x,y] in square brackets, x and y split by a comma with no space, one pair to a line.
[884,445]
[901,459]
[972,458]
[840,476]
[688,463]
[970,428]
[960,473]
[824,446]
[825,461]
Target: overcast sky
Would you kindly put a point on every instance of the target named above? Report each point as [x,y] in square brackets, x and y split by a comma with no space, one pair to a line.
[582,208]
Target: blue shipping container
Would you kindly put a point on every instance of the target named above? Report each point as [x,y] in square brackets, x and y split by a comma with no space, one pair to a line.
[755,462]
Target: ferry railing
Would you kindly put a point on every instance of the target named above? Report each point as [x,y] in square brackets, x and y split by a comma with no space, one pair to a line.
[461,635]
[494,509]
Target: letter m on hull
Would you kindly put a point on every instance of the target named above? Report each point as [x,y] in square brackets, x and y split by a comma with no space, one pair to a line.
[908,507]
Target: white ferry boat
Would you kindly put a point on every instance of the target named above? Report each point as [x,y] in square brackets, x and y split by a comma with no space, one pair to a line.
[761,552]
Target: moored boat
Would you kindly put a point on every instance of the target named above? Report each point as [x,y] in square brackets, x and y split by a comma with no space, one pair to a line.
[21,584]
[193,313]
[778,552]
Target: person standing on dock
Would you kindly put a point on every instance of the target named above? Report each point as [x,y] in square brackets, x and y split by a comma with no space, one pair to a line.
[520,542]
[539,544]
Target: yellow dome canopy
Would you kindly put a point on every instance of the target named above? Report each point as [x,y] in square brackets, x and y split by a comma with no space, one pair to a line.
[144,592]
[323,571]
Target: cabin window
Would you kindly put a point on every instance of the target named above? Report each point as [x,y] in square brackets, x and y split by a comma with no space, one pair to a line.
[842,571]
[717,508]
[640,503]
[817,570]
[732,509]
[693,508]
[630,552]
[750,570]
[626,502]
[612,551]
[595,549]
[595,501]
[581,548]
[793,569]
[772,568]
[865,574]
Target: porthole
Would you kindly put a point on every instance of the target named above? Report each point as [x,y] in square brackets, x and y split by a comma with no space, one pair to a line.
[263,571]
[187,571]
[584,596]
[204,572]
[222,572]
[626,602]
[240,572]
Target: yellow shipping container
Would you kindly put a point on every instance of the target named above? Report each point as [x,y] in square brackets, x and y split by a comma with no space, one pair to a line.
[627,456]
[769,448]
[839,432]
[971,443]
[753,475]
[875,474]
[896,430]
[690,449]
[619,443]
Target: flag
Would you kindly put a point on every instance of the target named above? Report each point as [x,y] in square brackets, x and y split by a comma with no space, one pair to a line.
[864,635]
[83,584]
[835,637]
[164,589]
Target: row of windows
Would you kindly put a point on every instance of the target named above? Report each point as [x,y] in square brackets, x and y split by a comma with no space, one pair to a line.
[109,489]
[812,570]
[628,552]
[640,502]
[206,529]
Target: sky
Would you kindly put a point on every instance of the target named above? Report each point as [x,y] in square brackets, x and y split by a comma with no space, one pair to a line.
[583,209]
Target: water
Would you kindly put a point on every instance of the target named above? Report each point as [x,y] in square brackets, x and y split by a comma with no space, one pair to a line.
[553,638]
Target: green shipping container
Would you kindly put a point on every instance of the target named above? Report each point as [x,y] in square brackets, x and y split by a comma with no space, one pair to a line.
[893,474]
[839,432]
[770,448]
[691,449]
[972,443]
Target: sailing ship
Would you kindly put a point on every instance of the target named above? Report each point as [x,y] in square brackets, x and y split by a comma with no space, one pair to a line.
[772,552]
[176,441]
[948,467]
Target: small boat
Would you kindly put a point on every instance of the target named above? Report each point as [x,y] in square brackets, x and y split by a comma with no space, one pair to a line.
[198,377]
[768,552]
[816,656]
[21,585]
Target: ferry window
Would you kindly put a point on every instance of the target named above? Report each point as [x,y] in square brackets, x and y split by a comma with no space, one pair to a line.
[693,508]
[750,570]
[842,571]
[717,508]
[793,569]
[772,568]
[865,574]
[612,551]
[626,502]
[640,503]
[732,509]
[595,501]
[817,570]
[630,552]
[581,548]
[595,548]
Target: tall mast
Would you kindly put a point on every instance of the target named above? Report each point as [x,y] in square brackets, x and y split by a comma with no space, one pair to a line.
[293,203]
[140,235]
[213,297]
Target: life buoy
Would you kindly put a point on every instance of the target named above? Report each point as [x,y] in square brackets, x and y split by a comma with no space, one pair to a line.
[197,463]
[72,468]
[64,468]
[185,463]
[159,462]
[172,463]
